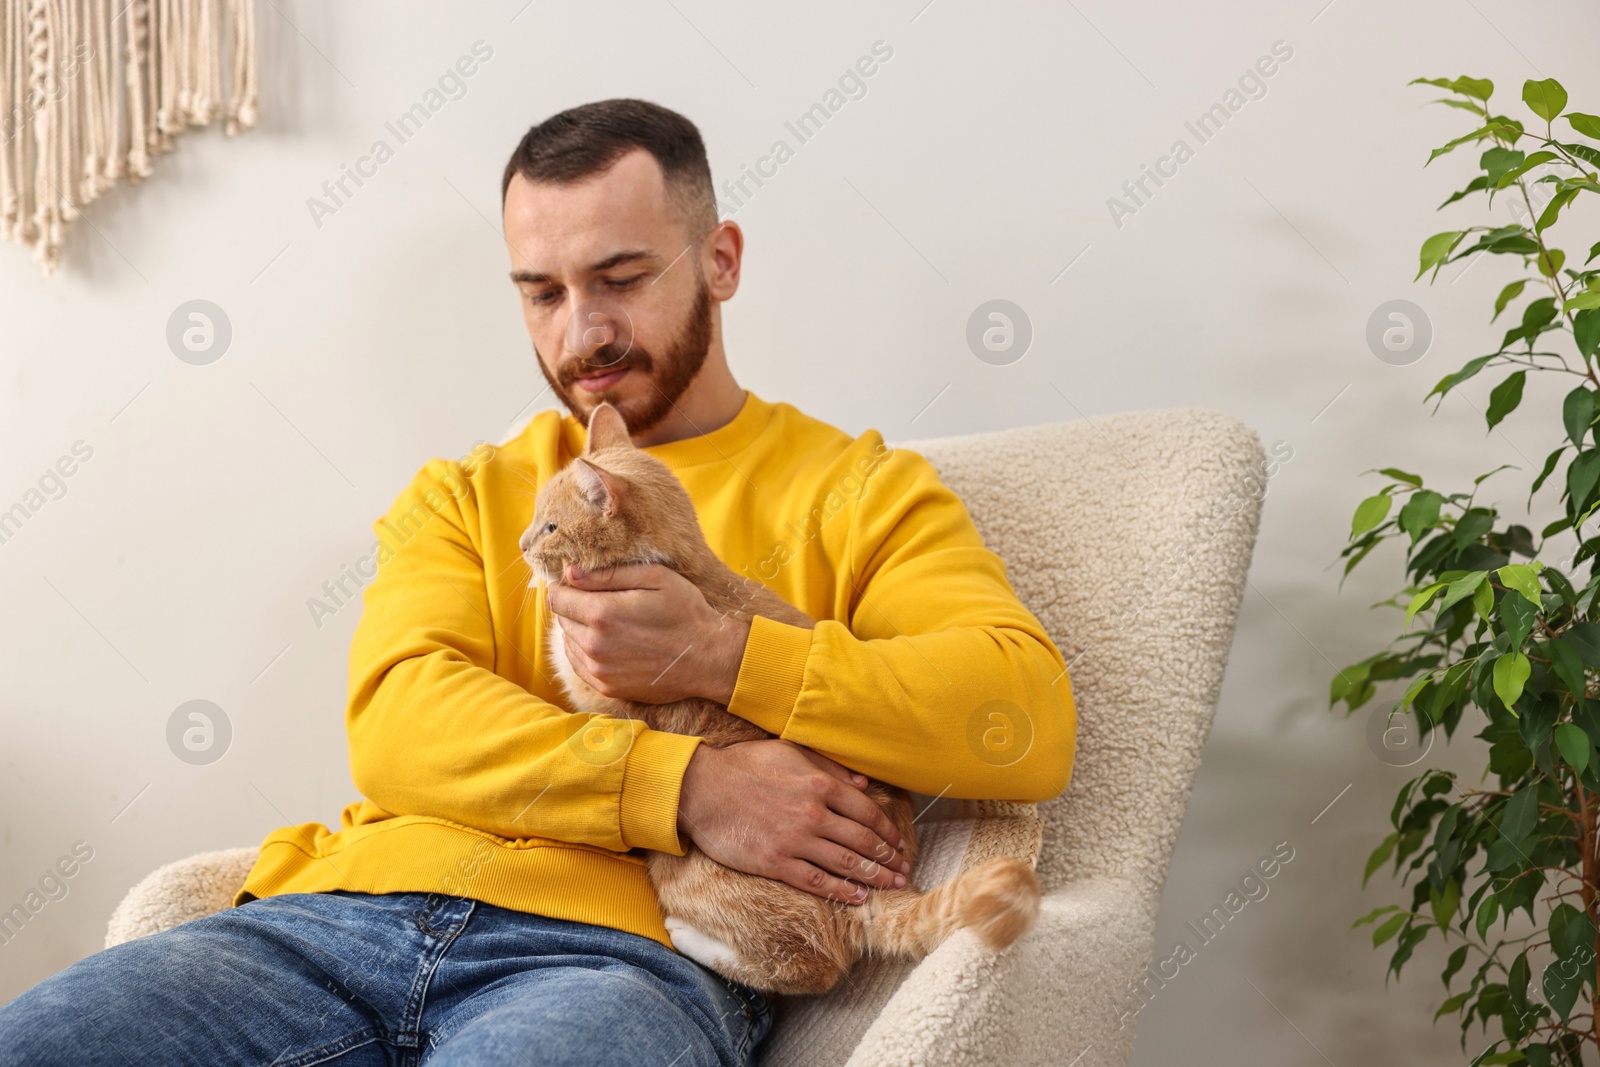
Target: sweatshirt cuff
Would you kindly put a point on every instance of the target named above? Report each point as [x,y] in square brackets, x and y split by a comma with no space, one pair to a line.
[771,673]
[651,782]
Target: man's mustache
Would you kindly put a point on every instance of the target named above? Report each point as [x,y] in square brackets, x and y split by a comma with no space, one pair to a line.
[604,365]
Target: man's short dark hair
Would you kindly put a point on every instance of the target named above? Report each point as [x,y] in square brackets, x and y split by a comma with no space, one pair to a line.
[585,140]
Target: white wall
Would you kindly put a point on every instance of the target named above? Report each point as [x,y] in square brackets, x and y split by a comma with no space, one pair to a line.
[977,166]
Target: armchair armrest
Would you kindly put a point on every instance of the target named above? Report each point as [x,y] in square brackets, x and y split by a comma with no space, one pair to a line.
[190,888]
[1060,996]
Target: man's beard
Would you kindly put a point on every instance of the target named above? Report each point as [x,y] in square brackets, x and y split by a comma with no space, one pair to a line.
[677,370]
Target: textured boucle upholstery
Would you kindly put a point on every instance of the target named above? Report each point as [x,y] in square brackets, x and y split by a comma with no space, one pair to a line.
[1129,536]
[183,890]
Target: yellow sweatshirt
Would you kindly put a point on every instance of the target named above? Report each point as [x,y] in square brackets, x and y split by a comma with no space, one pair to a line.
[924,670]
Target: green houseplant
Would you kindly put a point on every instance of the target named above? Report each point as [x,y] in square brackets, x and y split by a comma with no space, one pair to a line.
[1505,869]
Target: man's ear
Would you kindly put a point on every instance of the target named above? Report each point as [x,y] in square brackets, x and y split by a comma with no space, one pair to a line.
[607,430]
[600,487]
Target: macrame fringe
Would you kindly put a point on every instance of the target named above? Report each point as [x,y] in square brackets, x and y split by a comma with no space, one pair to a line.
[92,90]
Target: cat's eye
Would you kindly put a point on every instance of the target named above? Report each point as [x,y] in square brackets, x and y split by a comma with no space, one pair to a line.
[550,528]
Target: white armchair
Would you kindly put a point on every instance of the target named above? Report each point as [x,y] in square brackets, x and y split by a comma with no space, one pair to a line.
[1130,537]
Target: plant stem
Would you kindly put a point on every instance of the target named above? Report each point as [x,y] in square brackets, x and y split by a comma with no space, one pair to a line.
[1586,851]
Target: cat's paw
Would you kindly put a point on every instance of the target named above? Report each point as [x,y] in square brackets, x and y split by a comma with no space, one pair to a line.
[702,948]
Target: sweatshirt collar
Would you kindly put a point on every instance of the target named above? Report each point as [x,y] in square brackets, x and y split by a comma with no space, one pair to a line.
[714,447]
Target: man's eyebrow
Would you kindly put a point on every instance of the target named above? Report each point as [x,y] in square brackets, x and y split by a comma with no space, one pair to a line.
[635,255]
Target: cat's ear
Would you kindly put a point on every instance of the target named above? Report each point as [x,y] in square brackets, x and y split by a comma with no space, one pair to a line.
[607,430]
[599,487]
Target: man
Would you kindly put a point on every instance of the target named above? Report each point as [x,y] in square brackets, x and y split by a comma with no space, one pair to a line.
[487,901]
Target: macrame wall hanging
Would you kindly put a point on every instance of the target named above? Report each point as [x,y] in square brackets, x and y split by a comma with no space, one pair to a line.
[91,90]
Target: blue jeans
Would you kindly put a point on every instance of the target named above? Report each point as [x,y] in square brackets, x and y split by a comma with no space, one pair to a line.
[357,979]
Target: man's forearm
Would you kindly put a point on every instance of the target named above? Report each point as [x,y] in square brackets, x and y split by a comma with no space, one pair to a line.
[976,712]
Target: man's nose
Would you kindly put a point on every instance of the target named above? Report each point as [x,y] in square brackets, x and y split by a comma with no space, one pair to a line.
[588,330]
[598,324]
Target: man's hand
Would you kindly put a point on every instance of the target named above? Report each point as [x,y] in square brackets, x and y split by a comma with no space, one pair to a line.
[777,809]
[643,632]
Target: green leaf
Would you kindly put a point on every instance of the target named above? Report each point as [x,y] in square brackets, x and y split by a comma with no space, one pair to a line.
[1524,578]
[1468,369]
[1582,473]
[1453,684]
[1476,185]
[1523,167]
[1371,543]
[1471,527]
[1389,929]
[1520,815]
[1457,960]
[1584,637]
[1561,985]
[1420,601]
[1508,294]
[1550,462]
[1583,301]
[1420,514]
[1486,914]
[1552,210]
[1444,903]
[1401,476]
[1588,125]
[1478,88]
[1369,513]
[1515,239]
[1505,397]
[1575,746]
[1582,151]
[1568,665]
[1577,413]
[1556,527]
[1379,857]
[1479,480]
[1517,615]
[1462,588]
[1483,602]
[1586,331]
[1413,689]
[1476,135]
[1349,681]
[1550,262]
[1436,248]
[1572,935]
[1516,982]
[1453,1003]
[1497,162]
[1510,675]
[1561,587]
[1546,98]
[1372,915]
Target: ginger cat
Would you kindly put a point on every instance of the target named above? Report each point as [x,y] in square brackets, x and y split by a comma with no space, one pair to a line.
[616,504]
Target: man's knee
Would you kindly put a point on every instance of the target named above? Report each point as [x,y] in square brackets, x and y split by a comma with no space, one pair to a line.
[119,1004]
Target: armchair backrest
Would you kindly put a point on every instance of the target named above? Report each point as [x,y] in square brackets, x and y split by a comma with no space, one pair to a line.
[1129,537]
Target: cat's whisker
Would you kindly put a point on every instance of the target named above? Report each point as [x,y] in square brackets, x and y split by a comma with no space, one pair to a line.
[525,476]
[519,559]
[523,606]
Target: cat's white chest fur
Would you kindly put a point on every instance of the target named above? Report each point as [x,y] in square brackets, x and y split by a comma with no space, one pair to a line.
[570,681]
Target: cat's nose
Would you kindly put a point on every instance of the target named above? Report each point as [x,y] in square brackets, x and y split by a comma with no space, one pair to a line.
[526,542]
